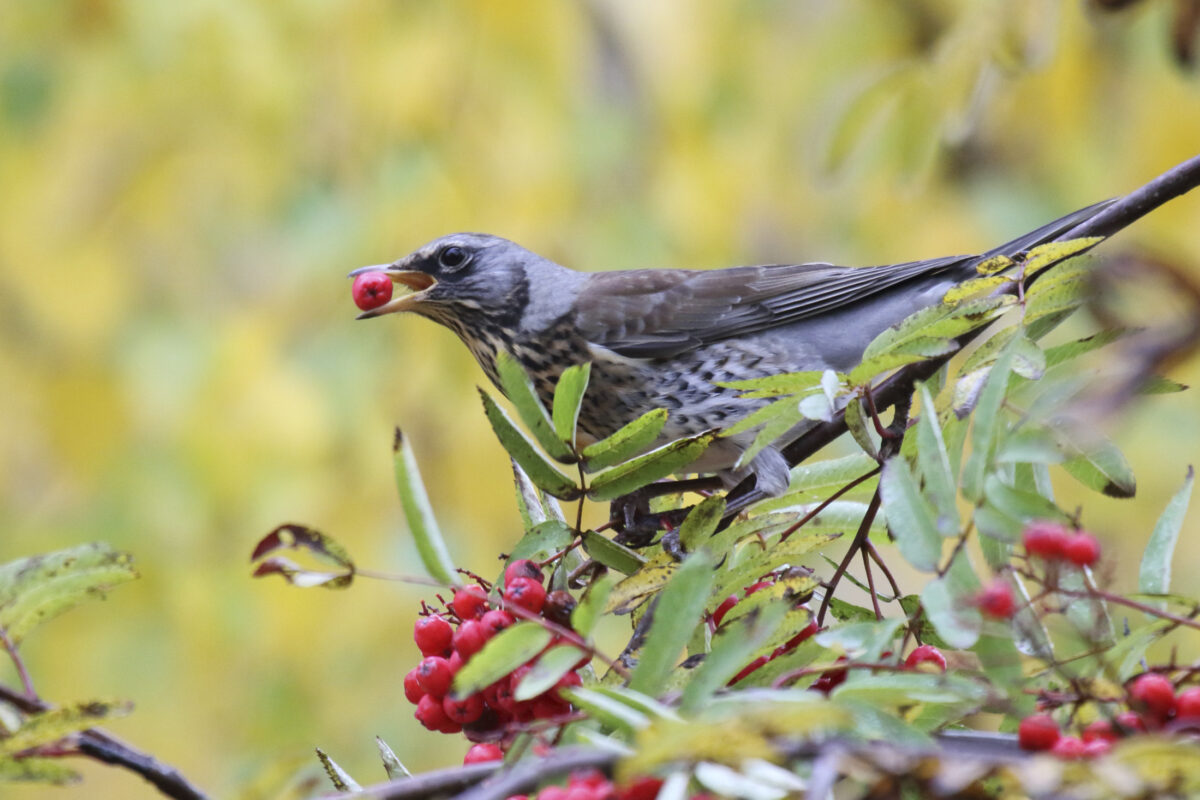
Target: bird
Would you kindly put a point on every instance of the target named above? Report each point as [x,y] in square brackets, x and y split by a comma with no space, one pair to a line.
[669,338]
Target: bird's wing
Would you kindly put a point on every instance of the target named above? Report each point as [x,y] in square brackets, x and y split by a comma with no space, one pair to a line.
[661,313]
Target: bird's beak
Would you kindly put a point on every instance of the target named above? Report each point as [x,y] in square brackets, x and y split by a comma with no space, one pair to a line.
[419,282]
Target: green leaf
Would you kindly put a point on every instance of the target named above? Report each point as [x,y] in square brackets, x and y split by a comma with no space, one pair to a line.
[861,640]
[591,607]
[431,547]
[701,523]
[611,554]
[568,397]
[934,462]
[1051,253]
[679,610]
[985,427]
[39,588]
[543,474]
[627,442]
[953,615]
[340,778]
[552,665]
[611,711]
[519,390]
[856,423]
[817,480]
[535,506]
[626,477]
[919,348]
[1102,467]
[1154,577]
[1070,350]
[910,516]
[391,763]
[49,726]
[772,559]
[787,383]
[543,541]
[504,652]
[1018,503]
[633,591]
[1028,360]
[34,769]
[944,321]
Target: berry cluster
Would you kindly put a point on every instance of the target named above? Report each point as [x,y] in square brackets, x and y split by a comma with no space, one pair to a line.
[449,640]
[1153,705]
[916,661]
[371,290]
[1054,542]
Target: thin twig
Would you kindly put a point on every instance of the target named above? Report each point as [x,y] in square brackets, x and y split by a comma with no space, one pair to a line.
[864,529]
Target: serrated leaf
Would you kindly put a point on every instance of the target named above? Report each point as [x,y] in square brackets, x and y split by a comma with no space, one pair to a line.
[611,554]
[47,727]
[543,474]
[1053,299]
[817,480]
[986,425]
[1154,575]
[769,560]
[934,463]
[611,712]
[1103,467]
[418,512]
[627,442]
[911,517]
[910,351]
[543,541]
[591,607]
[391,763]
[340,779]
[1028,360]
[504,652]
[634,590]
[1157,384]
[701,523]
[550,666]
[1062,353]
[942,321]
[856,423]
[1029,445]
[568,397]
[39,588]
[956,619]
[679,609]
[787,383]
[520,392]
[1018,503]
[628,476]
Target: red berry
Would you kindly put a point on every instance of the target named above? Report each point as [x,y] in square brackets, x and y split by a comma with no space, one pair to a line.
[1187,704]
[1045,539]
[469,602]
[1096,747]
[434,676]
[1100,729]
[482,753]
[412,687]
[644,788]
[1037,732]
[1067,748]
[997,600]
[432,635]
[1128,722]
[464,711]
[1082,549]
[525,593]
[592,777]
[371,290]
[1152,693]
[553,793]
[496,620]
[522,568]
[547,707]
[430,713]
[726,605]
[926,654]
[559,607]
[470,638]
[499,695]
[569,681]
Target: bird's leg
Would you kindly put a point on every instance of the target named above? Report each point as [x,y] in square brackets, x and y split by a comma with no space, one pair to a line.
[636,525]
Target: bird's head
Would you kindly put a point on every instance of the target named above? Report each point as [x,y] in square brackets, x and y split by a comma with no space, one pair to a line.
[460,276]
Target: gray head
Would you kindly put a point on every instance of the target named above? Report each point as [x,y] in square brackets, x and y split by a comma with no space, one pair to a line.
[465,279]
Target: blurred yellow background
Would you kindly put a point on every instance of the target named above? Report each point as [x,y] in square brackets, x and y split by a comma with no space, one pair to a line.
[184,186]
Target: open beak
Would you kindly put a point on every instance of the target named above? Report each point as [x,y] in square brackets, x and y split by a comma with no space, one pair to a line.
[419,282]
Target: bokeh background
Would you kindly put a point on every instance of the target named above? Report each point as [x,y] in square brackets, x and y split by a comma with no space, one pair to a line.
[184,185]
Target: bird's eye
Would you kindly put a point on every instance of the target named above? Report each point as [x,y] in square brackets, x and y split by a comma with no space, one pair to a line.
[452,257]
